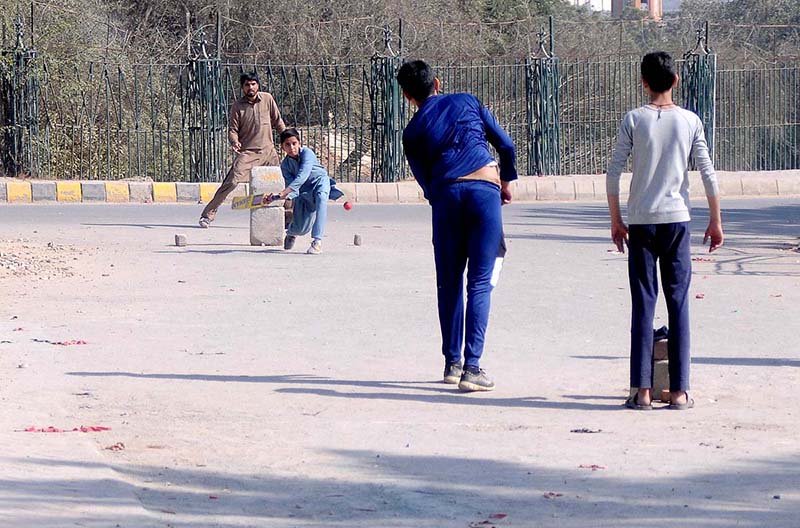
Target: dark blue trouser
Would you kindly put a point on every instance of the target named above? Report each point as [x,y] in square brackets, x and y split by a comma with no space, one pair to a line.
[467,232]
[669,244]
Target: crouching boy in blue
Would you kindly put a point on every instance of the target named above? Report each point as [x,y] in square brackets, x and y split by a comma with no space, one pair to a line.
[663,139]
[447,147]
[309,187]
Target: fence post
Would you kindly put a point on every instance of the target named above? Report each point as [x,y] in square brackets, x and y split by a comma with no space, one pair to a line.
[543,108]
[698,88]
[387,112]
[19,112]
[204,116]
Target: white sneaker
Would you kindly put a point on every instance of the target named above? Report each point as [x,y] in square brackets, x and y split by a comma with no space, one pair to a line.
[315,248]
[205,223]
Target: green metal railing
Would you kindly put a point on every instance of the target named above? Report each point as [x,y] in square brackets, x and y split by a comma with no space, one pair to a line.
[167,122]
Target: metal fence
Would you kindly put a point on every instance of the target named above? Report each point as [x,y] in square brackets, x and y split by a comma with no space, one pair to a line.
[168,122]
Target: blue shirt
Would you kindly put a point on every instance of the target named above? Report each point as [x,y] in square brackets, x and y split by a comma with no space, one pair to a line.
[449,138]
[306,173]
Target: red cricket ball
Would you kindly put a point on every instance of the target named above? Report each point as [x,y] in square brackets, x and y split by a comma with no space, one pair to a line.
[347,206]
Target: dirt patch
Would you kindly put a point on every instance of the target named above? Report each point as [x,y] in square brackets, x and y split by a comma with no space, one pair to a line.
[42,260]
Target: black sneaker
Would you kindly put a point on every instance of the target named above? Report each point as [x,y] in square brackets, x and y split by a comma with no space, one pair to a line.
[288,242]
[452,373]
[475,381]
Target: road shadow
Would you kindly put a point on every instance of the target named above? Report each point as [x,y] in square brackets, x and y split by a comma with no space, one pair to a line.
[413,391]
[155,226]
[728,361]
[379,488]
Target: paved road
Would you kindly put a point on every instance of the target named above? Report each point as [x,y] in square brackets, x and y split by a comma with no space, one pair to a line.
[253,387]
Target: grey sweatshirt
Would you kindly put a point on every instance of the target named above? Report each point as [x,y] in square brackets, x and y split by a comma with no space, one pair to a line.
[663,141]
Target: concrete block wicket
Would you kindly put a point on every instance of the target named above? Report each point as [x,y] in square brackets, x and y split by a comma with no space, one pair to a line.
[267,223]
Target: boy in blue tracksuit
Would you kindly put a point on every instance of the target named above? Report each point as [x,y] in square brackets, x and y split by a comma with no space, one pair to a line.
[309,187]
[447,147]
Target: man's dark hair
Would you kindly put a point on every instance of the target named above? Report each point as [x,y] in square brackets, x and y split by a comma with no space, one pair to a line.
[248,76]
[290,133]
[416,79]
[658,71]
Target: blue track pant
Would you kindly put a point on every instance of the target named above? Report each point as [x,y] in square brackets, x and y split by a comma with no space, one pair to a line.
[467,233]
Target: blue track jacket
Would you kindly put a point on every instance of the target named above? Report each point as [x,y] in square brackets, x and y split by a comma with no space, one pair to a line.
[449,138]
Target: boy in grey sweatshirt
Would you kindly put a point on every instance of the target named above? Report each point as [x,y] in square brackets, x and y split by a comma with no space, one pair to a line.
[663,138]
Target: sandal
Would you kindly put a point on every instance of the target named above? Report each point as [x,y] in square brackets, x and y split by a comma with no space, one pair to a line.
[682,406]
[633,403]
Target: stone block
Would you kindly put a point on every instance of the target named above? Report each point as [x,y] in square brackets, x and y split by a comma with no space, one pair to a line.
[349,190]
[660,377]
[267,173]
[164,192]
[117,192]
[266,226]
[18,191]
[141,192]
[730,183]
[267,223]
[565,188]
[180,240]
[545,188]
[584,188]
[788,184]
[599,184]
[187,192]
[3,192]
[660,351]
[43,191]
[387,192]
[759,185]
[366,193]
[408,192]
[207,191]
[94,191]
[68,191]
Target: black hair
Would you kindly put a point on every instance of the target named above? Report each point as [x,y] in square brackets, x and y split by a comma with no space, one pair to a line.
[416,79]
[658,71]
[290,133]
[248,76]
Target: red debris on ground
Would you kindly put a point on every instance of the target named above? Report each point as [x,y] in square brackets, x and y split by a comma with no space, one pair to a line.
[82,429]
[593,467]
[700,296]
[498,516]
[119,446]
[62,343]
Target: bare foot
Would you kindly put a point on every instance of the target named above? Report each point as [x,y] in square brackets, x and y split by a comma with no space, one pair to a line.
[678,397]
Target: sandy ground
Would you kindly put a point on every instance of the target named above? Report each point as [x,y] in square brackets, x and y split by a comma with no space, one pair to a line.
[251,387]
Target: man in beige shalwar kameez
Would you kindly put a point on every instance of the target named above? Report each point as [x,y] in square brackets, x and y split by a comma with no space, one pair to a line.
[250,125]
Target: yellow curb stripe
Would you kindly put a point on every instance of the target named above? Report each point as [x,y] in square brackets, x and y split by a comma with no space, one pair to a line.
[19,191]
[68,191]
[207,191]
[164,192]
[117,192]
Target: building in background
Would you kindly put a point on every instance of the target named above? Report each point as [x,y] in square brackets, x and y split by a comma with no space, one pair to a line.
[656,8]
